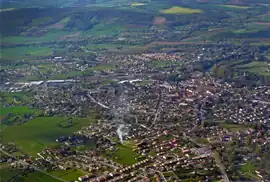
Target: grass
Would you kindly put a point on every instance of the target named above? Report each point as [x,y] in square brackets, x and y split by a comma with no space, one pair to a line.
[202,141]
[68,175]
[137,4]
[7,174]
[52,35]
[160,64]
[105,28]
[249,171]
[102,67]
[257,67]
[169,174]
[7,9]
[25,52]
[38,177]
[16,110]
[234,6]
[144,82]
[13,98]
[248,167]
[68,75]
[233,127]
[36,134]
[124,155]
[181,10]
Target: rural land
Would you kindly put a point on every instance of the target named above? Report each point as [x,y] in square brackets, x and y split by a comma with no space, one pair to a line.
[134,90]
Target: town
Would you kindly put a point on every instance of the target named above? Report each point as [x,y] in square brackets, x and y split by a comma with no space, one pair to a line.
[154,117]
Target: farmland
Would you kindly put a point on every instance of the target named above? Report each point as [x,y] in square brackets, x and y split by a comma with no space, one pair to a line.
[181,10]
[16,110]
[9,174]
[13,98]
[261,68]
[25,52]
[235,7]
[137,4]
[36,134]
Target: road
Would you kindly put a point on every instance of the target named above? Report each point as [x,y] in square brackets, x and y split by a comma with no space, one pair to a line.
[95,101]
[217,159]
[162,176]
[158,108]
[221,167]
[34,167]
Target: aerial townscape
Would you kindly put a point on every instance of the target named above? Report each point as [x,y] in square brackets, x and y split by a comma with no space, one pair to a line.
[135,91]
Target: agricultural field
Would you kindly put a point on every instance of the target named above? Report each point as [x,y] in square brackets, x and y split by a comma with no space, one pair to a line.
[138,4]
[9,174]
[20,53]
[181,10]
[260,68]
[235,6]
[41,132]
[13,98]
[16,110]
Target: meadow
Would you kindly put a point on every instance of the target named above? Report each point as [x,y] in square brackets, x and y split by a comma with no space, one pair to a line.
[234,6]
[181,10]
[102,67]
[124,155]
[16,110]
[68,175]
[137,4]
[160,63]
[233,127]
[41,132]
[13,98]
[8,174]
[25,52]
[257,67]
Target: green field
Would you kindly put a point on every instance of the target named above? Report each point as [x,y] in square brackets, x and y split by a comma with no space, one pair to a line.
[36,134]
[181,10]
[17,110]
[124,155]
[137,4]
[233,127]
[102,67]
[257,67]
[13,98]
[68,175]
[8,173]
[234,6]
[144,82]
[249,171]
[7,9]
[52,35]
[25,52]
[248,167]
[160,64]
